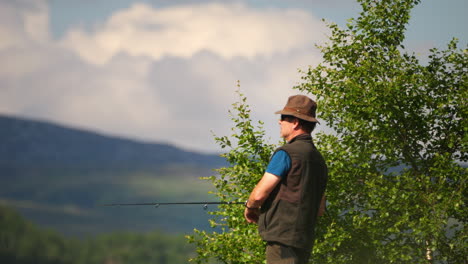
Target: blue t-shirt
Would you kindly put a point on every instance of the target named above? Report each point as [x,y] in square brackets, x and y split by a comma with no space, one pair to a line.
[279,164]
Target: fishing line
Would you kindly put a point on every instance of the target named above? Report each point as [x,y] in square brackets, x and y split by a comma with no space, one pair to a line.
[205,204]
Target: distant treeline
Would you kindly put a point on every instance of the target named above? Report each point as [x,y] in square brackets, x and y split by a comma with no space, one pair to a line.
[22,242]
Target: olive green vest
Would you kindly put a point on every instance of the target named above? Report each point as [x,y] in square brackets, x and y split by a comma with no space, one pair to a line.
[289,214]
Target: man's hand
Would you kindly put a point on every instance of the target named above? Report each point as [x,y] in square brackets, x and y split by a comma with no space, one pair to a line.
[251,215]
[323,205]
[259,194]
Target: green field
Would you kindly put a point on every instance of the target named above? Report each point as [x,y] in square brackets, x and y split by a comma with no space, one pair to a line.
[69,201]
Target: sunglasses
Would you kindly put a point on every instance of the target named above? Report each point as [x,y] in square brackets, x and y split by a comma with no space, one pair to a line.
[286,117]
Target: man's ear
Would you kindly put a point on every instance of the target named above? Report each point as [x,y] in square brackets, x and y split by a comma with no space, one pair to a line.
[296,124]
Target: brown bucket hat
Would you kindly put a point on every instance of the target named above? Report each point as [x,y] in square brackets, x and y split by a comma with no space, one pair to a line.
[301,107]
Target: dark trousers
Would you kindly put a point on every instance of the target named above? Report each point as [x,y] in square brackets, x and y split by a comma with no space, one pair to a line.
[277,253]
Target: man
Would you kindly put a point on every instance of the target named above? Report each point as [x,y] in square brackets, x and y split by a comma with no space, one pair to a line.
[287,200]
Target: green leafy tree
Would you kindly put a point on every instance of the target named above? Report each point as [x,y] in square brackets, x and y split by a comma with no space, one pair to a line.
[23,243]
[397,188]
[235,241]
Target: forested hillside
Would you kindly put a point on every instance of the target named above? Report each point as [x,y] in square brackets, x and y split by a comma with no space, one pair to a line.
[22,242]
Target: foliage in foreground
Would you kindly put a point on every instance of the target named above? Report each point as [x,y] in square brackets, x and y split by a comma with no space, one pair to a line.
[21,242]
[397,191]
[236,241]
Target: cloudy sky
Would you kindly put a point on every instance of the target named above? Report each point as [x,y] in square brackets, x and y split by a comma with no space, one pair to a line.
[167,70]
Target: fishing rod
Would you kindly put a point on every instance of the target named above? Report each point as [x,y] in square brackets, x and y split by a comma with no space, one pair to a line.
[205,204]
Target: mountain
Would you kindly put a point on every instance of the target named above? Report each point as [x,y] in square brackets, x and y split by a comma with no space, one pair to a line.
[33,143]
[58,177]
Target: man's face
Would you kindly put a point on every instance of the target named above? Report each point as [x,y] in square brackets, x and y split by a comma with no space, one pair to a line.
[286,126]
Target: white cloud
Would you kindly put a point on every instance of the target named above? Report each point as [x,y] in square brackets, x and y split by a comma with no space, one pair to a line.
[23,21]
[228,30]
[155,74]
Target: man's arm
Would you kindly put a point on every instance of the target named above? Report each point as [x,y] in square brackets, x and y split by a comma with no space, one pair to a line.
[259,194]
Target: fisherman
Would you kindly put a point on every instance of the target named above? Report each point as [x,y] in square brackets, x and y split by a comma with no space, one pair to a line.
[286,201]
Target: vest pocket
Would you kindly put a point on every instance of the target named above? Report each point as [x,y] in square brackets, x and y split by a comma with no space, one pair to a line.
[271,215]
